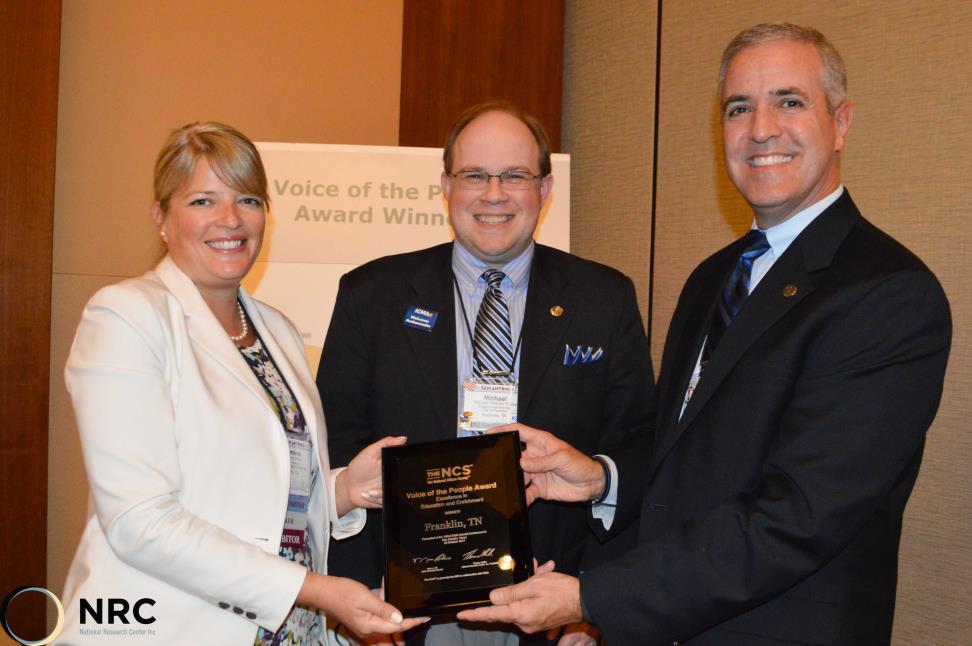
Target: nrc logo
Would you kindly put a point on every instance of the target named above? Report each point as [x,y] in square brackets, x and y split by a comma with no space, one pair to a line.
[448,472]
[117,610]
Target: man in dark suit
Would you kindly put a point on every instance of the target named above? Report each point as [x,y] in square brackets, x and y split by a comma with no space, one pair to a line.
[404,338]
[802,368]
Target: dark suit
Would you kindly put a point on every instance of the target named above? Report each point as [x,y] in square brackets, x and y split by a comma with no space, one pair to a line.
[771,512]
[378,377]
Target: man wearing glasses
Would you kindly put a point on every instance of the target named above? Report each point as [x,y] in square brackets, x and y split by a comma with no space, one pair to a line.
[418,340]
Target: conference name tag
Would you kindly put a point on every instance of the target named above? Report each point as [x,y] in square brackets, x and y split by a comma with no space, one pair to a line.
[486,405]
[295,522]
[420,318]
[300,464]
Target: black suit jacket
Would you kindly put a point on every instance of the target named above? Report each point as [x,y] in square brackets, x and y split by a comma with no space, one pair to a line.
[378,377]
[770,513]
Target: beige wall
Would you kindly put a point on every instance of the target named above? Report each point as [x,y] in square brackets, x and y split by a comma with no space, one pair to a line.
[906,165]
[608,129]
[303,70]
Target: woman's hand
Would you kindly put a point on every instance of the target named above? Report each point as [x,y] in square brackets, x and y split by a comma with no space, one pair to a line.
[353,604]
[359,485]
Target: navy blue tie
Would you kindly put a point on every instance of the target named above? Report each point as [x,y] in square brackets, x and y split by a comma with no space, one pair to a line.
[736,289]
[492,338]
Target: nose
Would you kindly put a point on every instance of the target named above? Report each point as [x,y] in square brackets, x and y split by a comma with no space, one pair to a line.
[494,191]
[765,125]
[230,216]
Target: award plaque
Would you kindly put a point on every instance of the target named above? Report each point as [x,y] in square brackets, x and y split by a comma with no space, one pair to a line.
[455,522]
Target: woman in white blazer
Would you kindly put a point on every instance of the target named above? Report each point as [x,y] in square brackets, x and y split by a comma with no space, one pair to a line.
[204,439]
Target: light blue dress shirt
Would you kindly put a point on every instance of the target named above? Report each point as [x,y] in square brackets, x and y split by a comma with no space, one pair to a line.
[468,270]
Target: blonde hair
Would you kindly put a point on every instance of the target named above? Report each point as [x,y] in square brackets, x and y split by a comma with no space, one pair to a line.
[232,156]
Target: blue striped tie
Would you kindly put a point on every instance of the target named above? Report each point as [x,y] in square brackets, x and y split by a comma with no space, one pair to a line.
[736,289]
[492,339]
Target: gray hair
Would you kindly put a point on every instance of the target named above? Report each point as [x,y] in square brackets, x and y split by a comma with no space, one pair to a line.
[834,73]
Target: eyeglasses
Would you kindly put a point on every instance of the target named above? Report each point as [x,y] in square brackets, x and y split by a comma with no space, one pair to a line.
[515,180]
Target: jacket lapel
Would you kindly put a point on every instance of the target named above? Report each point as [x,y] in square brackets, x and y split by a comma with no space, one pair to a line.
[788,282]
[543,333]
[764,307]
[434,352]
[203,328]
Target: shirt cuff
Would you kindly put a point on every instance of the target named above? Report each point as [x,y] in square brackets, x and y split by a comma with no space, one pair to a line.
[604,509]
[350,523]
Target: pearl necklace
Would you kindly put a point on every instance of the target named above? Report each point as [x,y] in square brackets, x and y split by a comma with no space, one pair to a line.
[242,335]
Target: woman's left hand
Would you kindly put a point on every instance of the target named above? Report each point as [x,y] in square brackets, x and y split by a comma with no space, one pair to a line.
[360,482]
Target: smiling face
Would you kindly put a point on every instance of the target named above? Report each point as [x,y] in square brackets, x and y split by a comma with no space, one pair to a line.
[213,232]
[781,142]
[493,223]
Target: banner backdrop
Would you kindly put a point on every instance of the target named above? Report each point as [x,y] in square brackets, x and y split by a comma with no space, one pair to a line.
[334,207]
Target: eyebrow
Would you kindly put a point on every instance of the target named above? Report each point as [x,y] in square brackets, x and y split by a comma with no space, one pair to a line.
[735,98]
[786,91]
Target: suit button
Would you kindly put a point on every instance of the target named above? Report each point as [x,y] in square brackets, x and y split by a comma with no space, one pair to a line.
[251,615]
[238,610]
[223,605]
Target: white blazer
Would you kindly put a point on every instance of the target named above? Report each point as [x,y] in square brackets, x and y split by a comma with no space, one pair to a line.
[189,467]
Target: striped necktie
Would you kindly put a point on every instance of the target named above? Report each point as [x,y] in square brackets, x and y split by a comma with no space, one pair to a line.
[492,338]
[736,289]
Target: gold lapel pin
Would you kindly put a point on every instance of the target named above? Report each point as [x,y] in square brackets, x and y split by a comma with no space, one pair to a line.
[556,310]
[789,290]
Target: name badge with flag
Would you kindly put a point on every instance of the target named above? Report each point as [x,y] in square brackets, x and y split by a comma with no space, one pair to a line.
[420,318]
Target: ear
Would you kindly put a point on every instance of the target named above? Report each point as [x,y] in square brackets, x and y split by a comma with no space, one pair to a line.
[446,184]
[158,216]
[843,116]
[546,185]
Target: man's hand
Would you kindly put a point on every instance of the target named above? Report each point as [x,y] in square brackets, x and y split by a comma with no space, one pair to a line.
[554,470]
[543,601]
[359,485]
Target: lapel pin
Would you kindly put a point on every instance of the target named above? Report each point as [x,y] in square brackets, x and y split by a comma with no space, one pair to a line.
[556,310]
[789,290]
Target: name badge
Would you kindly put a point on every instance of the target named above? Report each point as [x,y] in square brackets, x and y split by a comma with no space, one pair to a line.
[300,464]
[485,406]
[420,318]
[295,522]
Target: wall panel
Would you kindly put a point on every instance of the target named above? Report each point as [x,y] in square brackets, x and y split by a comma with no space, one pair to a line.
[28,117]
[457,54]
[609,103]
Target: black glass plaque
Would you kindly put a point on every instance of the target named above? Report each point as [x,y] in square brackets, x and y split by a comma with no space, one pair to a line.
[455,522]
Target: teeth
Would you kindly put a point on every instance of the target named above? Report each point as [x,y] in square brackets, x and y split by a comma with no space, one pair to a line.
[225,245]
[769,160]
[493,219]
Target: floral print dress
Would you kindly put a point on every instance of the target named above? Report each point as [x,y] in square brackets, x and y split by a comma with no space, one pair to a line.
[302,627]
